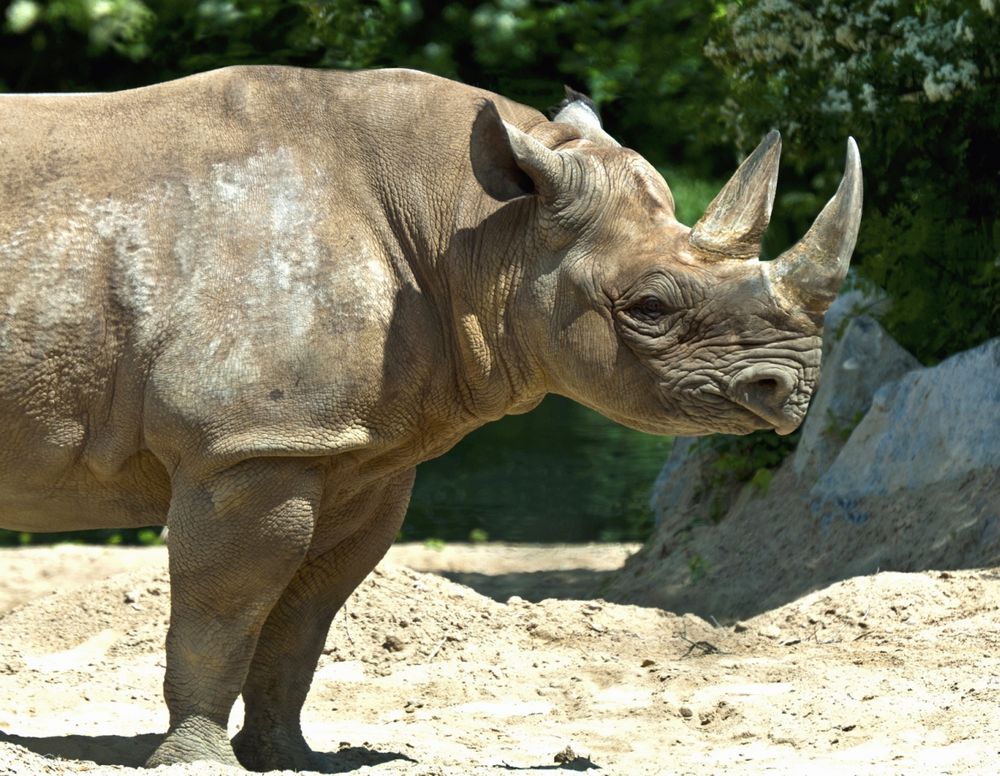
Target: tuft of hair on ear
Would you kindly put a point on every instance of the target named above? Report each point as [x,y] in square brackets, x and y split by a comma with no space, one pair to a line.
[572,95]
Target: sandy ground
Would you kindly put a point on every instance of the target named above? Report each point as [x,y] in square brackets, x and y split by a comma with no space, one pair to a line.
[886,674]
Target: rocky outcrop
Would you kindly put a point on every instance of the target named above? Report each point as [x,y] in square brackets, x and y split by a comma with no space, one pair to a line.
[864,359]
[845,308]
[933,426]
[679,481]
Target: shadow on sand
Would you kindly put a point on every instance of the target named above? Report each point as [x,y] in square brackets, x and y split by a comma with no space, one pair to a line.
[568,584]
[133,751]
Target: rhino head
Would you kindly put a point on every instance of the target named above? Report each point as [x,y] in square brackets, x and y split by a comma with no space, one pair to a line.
[665,328]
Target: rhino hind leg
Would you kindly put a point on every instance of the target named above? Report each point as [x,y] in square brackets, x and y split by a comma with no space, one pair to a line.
[236,539]
[293,637]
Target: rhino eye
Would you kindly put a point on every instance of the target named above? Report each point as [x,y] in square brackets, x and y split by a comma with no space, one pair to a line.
[651,307]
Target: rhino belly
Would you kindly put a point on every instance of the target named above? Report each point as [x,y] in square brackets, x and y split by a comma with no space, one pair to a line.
[60,498]
[71,451]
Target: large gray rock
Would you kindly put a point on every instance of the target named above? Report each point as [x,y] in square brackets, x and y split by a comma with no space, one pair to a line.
[933,425]
[678,480]
[862,360]
[847,306]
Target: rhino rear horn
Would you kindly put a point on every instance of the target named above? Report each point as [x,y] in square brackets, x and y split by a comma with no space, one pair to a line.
[812,271]
[579,111]
[734,223]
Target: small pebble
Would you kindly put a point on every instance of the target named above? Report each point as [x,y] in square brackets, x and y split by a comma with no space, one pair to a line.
[567,755]
[393,643]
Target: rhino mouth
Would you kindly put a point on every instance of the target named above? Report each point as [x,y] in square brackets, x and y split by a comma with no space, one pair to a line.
[740,410]
[776,392]
[740,421]
[782,425]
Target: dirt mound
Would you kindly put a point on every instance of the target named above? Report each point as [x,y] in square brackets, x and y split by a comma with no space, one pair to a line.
[773,546]
[894,673]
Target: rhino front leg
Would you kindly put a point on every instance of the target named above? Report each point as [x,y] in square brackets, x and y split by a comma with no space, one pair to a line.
[236,539]
[293,636]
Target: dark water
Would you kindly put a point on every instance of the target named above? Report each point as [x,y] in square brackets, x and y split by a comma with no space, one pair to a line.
[561,473]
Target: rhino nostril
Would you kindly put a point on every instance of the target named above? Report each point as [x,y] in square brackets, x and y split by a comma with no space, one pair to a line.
[773,391]
[762,388]
[766,391]
[767,385]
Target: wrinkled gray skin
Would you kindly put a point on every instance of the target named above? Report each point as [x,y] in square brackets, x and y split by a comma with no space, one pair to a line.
[249,302]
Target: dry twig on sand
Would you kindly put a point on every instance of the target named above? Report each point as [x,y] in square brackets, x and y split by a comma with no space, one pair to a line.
[707,648]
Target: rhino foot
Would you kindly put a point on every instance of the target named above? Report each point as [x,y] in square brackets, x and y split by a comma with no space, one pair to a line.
[196,738]
[277,749]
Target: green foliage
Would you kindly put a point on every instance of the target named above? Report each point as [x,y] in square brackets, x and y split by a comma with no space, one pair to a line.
[839,428]
[697,567]
[75,44]
[761,479]
[121,26]
[641,61]
[145,537]
[740,458]
[736,460]
[918,84]
[691,194]
[478,536]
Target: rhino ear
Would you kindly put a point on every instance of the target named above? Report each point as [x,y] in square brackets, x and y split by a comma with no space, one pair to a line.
[509,163]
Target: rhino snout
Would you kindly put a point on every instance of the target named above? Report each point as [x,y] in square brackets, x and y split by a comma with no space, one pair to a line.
[769,392]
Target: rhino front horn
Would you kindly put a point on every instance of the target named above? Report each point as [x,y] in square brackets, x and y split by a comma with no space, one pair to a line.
[734,223]
[812,271]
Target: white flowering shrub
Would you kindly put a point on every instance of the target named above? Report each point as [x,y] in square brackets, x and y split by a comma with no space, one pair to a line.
[918,84]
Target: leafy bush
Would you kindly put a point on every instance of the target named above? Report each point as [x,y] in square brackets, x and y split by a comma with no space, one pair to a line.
[737,460]
[919,85]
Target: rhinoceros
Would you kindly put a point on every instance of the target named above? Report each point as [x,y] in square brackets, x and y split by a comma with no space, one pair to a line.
[247,303]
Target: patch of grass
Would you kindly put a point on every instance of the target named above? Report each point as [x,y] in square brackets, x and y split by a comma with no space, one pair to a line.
[697,567]
[839,428]
[143,537]
[478,536]
[742,459]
